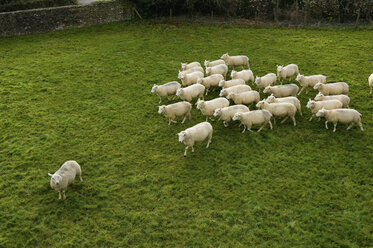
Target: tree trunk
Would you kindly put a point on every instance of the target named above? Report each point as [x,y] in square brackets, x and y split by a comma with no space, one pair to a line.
[357,19]
[296,12]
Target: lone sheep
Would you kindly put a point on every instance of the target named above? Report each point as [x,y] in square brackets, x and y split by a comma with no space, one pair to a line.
[233,61]
[194,134]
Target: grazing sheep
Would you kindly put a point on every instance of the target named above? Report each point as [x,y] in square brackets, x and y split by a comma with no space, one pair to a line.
[256,117]
[282,90]
[246,75]
[284,72]
[327,104]
[235,89]
[370,80]
[190,92]
[165,90]
[226,114]
[208,107]
[64,176]
[347,116]
[221,69]
[194,134]
[174,110]
[309,81]
[267,80]
[191,78]
[345,100]
[233,61]
[247,97]
[332,88]
[185,66]
[210,81]
[289,99]
[213,63]
[194,69]
[231,83]
[279,110]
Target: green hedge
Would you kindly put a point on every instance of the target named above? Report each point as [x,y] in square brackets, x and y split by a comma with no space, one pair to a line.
[12,5]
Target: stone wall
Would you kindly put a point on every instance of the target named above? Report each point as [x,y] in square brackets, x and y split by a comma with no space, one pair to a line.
[57,18]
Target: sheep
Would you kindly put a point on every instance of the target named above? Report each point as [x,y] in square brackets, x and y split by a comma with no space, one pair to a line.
[226,114]
[64,176]
[327,104]
[194,134]
[332,88]
[190,92]
[191,78]
[370,80]
[348,116]
[190,71]
[236,60]
[290,99]
[247,97]
[284,72]
[165,90]
[236,89]
[309,81]
[267,80]
[208,107]
[282,90]
[213,63]
[210,81]
[246,75]
[185,66]
[171,111]
[221,69]
[256,117]
[279,110]
[345,100]
[230,83]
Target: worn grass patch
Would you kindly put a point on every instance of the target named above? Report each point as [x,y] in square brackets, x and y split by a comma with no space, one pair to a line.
[84,94]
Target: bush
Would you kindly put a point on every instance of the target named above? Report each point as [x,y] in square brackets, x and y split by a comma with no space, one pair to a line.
[12,5]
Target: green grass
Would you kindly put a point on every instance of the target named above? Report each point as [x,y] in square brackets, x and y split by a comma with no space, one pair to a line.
[84,94]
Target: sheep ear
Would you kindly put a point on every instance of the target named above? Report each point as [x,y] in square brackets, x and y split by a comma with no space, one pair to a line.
[49,174]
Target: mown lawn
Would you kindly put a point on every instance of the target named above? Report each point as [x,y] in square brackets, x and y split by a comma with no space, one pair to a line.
[84,94]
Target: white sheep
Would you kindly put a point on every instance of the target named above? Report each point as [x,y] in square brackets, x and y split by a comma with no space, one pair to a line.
[284,72]
[208,107]
[190,92]
[246,75]
[370,80]
[327,104]
[210,81]
[213,63]
[194,134]
[165,90]
[230,83]
[345,100]
[346,116]
[282,109]
[266,80]
[289,99]
[221,69]
[194,69]
[186,66]
[332,88]
[226,114]
[64,176]
[233,61]
[235,89]
[246,97]
[256,117]
[174,110]
[191,78]
[282,90]
[309,81]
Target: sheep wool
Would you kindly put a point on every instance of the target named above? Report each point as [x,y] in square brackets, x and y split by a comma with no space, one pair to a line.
[282,90]
[213,63]
[230,83]
[290,99]
[210,81]
[174,110]
[246,75]
[266,80]
[194,134]
[345,100]
[284,72]
[226,114]
[327,104]
[332,88]
[283,109]
[233,61]
[235,89]
[191,92]
[186,66]
[256,117]
[191,78]
[208,107]
[346,116]
[247,97]
[370,80]
[221,69]
[165,90]
[309,81]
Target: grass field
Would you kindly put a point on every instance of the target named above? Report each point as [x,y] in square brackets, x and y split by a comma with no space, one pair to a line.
[84,94]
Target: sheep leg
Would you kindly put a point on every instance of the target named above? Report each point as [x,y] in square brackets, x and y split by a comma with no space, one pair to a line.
[287,117]
[192,148]
[361,126]
[274,120]
[59,195]
[212,119]
[207,118]
[293,118]
[160,99]
[208,142]
[301,90]
[225,124]
[326,124]
[335,126]
[63,195]
[80,178]
[311,118]
[350,126]
[184,119]
[306,90]
[270,124]
[207,91]
[300,112]
[185,151]
[244,128]
[371,90]
[260,129]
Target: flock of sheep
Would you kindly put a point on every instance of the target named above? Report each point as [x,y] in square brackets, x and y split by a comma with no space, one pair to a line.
[331,102]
